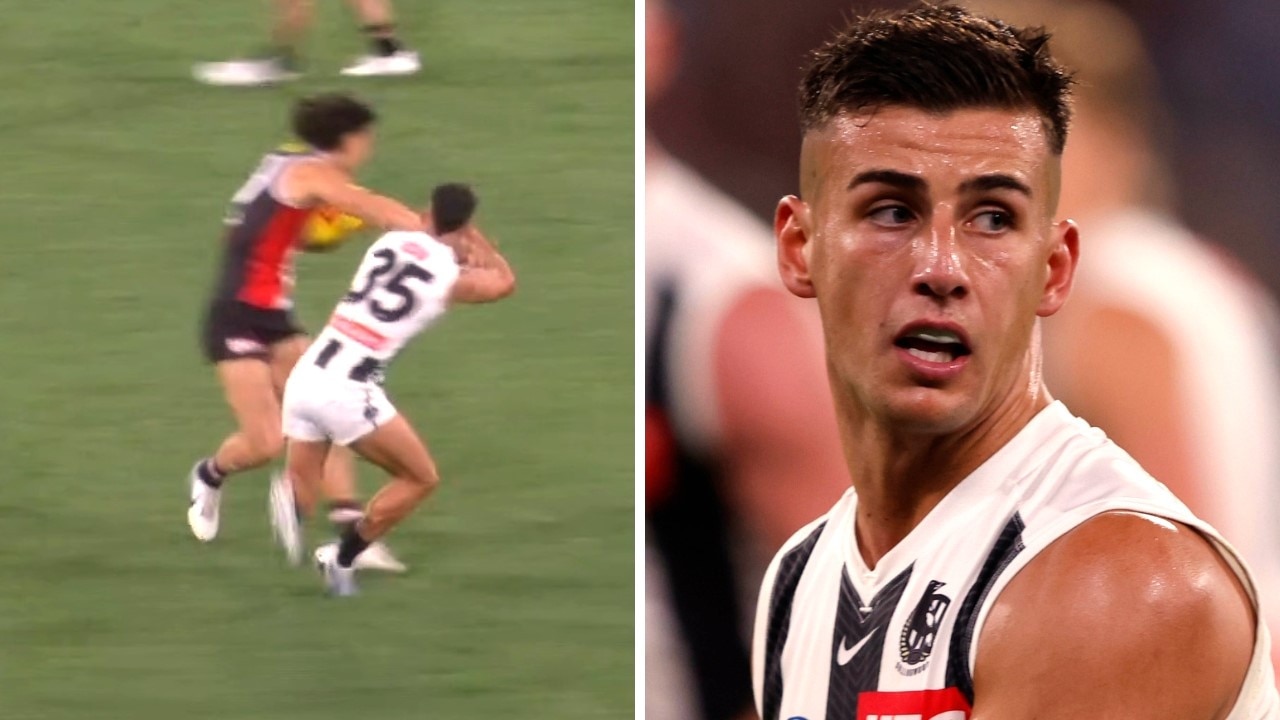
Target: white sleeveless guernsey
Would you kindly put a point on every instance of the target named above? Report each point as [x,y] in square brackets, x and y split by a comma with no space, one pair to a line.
[836,640]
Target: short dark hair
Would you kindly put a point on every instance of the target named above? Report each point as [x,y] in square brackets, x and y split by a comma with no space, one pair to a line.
[321,121]
[937,58]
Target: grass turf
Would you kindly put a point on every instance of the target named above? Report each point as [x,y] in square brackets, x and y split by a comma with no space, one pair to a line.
[116,168]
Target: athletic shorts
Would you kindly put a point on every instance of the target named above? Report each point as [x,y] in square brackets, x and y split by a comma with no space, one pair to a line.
[234,330]
[321,405]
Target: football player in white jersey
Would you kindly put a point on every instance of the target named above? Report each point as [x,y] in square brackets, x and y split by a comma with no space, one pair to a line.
[996,557]
[334,395]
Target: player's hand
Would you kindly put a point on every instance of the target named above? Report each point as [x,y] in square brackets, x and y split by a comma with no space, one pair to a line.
[463,245]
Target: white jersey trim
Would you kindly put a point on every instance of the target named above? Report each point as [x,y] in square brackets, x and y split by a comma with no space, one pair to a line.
[760,631]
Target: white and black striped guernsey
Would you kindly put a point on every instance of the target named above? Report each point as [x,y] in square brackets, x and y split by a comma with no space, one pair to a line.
[836,641]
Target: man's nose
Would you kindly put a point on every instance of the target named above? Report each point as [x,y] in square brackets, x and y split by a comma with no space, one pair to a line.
[940,271]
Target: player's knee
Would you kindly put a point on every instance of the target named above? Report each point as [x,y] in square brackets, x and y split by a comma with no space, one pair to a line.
[425,479]
[265,443]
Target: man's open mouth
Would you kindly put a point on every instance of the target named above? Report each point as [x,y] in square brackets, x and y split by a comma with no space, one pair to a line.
[933,344]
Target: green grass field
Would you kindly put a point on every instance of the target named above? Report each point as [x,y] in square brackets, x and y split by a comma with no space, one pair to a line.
[115,168]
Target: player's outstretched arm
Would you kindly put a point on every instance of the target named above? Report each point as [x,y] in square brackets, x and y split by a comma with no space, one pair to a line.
[1127,616]
[486,274]
[319,182]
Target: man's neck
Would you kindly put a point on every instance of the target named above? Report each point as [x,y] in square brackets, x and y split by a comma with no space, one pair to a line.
[330,159]
[901,476]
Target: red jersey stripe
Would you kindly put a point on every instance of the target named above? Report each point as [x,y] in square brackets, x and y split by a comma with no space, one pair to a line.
[270,256]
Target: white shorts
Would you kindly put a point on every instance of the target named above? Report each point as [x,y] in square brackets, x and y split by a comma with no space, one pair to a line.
[321,405]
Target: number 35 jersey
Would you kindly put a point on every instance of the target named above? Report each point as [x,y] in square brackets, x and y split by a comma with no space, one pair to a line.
[402,286]
[835,640]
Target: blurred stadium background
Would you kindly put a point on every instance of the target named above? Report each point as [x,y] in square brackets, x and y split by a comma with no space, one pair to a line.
[117,168]
[1168,343]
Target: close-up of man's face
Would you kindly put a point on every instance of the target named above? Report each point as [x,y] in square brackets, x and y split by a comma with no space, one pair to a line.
[929,242]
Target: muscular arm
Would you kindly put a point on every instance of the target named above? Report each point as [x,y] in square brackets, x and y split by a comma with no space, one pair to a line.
[486,275]
[785,465]
[312,182]
[1127,616]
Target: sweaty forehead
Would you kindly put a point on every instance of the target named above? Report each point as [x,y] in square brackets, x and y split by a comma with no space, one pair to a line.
[941,148]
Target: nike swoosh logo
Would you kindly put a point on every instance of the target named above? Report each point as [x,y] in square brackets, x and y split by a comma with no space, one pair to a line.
[846,653]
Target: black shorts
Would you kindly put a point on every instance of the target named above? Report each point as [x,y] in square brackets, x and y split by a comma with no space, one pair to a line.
[234,330]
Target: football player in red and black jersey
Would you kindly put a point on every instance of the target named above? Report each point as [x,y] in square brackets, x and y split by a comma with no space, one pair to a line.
[250,333]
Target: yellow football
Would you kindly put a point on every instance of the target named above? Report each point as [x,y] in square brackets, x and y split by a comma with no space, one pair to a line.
[327,228]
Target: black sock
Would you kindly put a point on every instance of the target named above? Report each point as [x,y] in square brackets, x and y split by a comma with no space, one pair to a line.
[210,474]
[383,39]
[351,546]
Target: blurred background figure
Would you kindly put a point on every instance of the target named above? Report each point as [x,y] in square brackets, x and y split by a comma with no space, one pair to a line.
[1166,343]
[292,19]
[741,447]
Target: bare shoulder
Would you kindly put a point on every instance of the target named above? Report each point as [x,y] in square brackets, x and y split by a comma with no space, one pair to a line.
[297,182]
[1142,612]
[307,178]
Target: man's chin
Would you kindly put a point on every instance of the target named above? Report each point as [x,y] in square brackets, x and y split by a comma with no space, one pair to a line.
[928,411]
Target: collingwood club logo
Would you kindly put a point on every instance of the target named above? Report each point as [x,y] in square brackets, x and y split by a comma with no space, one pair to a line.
[921,629]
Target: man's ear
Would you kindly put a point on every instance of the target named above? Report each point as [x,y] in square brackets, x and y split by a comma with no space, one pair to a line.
[795,247]
[1063,259]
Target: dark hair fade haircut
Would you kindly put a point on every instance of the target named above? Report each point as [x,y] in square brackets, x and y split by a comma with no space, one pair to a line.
[321,121]
[937,58]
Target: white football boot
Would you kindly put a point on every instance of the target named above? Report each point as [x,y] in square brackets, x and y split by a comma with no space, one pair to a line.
[404,62]
[379,557]
[244,73]
[338,581]
[375,557]
[206,501]
[284,517]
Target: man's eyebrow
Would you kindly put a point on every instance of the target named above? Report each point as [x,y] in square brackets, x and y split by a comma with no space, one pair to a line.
[894,178]
[995,181]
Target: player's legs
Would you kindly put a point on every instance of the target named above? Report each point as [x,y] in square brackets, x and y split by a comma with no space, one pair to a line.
[339,482]
[373,12]
[256,441]
[337,485]
[254,387]
[338,488]
[294,493]
[388,56]
[291,20]
[304,464]
[251,394]
[282,356]
[396,448]
[334,483]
